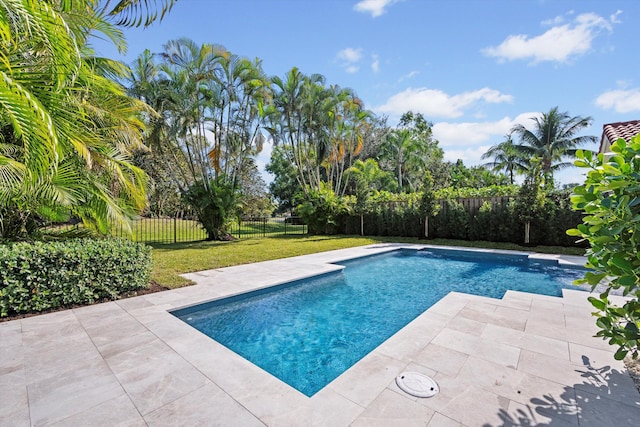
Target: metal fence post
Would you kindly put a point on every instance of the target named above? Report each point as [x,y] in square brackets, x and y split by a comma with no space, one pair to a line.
[175,229]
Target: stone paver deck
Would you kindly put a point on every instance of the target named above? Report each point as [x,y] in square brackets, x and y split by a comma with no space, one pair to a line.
[522,360]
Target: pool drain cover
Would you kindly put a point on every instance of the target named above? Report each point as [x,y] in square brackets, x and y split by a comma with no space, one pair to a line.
[417,384]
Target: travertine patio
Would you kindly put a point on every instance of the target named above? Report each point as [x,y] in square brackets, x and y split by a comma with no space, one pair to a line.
[522,360]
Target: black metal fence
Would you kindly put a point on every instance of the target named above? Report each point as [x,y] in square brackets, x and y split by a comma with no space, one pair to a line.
[164,230]
[185,229]
[266,226]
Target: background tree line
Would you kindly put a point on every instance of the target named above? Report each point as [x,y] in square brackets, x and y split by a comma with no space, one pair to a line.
[181,129]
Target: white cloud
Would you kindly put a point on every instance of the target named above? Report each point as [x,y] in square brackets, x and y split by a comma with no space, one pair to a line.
[554,21]
[349,58]
[620,100]
[409,75]
[470,156]
[435,103]
[558,44]
[468,141]
[614,17]
[374,7]
[375,64]
[350,54]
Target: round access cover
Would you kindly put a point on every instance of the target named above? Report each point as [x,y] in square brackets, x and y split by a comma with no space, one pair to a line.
[417,384]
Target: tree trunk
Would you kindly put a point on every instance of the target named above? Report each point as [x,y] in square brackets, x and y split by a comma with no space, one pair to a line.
[426,226]
[527,227]
[362,224]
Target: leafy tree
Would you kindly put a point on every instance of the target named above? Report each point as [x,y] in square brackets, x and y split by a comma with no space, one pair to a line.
[505,157]
[253,199]
[299,126]
[610,197]
[66,128]
[410,150]
[374,136]
[163,195]
[531,198]
[460,176]
[210,106]
[552,139]
[323,128]
[284,185]
[401,148]
[368,173]
[428,204]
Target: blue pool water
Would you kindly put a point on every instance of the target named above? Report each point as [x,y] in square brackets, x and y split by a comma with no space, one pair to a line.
[309,332]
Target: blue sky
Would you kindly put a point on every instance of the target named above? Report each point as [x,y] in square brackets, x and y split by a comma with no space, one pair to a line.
[473,67]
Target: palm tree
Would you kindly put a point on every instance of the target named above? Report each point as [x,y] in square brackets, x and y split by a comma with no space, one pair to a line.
[349,124]
[368,172]
[210,107]
[505,157]
[305,107]
[67,128]
[407,151]
[552,139]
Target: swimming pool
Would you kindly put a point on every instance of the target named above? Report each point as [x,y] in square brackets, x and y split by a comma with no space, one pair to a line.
[308,332]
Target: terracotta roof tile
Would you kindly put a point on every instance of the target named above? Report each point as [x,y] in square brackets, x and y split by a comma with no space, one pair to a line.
[624,130]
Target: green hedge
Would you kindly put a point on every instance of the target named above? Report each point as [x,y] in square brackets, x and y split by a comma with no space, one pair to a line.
[495,223]
[41,276]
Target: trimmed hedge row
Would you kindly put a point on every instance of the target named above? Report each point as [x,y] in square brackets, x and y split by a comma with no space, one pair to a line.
[495,223]
[40,276]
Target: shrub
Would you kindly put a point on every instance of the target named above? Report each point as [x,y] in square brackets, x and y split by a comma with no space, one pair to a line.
[610,197]
[464,192]
[323,210]
[41,276]
[452,221]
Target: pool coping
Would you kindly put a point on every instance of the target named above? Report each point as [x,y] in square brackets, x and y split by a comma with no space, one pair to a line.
[238,390]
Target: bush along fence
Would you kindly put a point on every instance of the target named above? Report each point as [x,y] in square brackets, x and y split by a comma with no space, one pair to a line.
[476,218]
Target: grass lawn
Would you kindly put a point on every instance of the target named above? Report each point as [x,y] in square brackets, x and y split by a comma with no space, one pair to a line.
[170,260]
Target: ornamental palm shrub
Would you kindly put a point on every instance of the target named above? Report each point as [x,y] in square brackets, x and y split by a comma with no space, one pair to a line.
[322,209]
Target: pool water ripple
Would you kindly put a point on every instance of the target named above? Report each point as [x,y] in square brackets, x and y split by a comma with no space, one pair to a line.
[309,333]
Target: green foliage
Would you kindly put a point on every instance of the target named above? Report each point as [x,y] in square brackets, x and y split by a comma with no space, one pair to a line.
[410,150]
[610,198]
[214,202]
[459,175]
[322,209]
[463,192]
[495,223]
[369,177]
[390,214]
[452,222]
[284,185]
[551,140]
[254,201]
[428,203]
[67,128]
[507,157]
[531,198]
[41,276]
